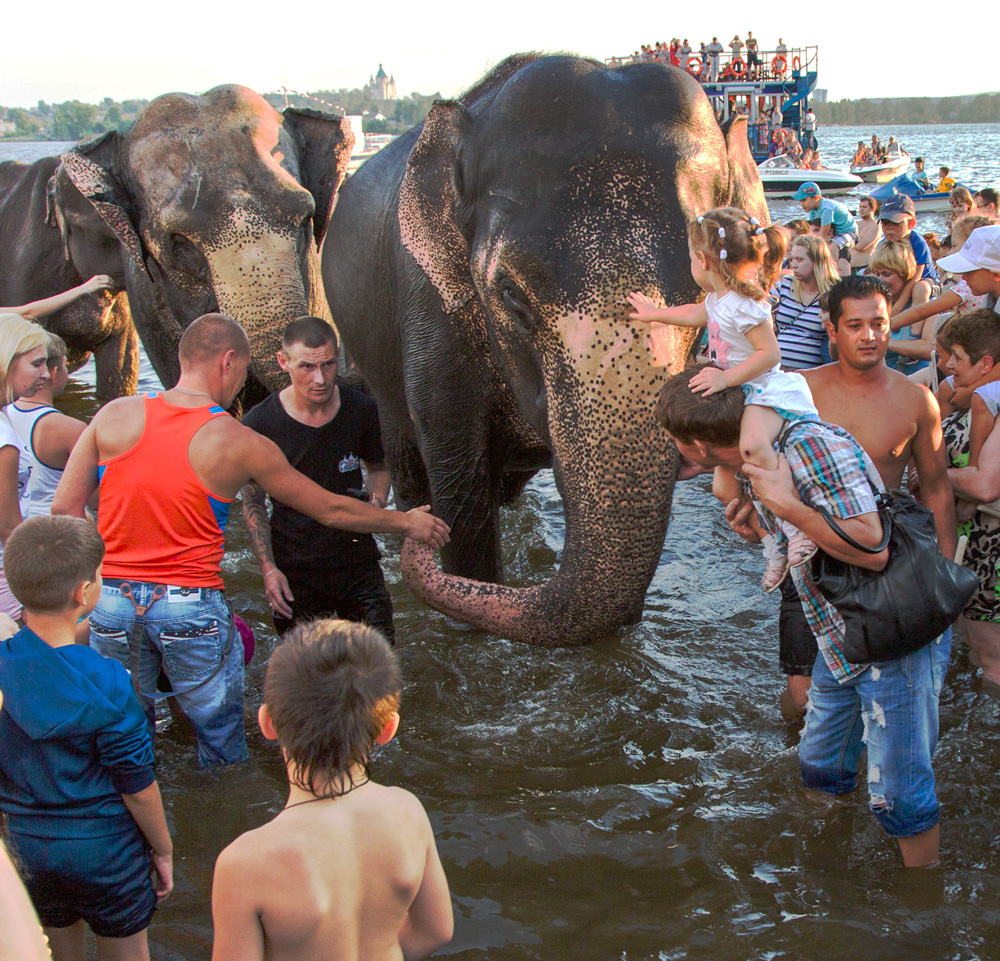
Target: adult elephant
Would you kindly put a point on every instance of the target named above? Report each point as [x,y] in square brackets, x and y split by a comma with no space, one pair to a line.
[218,203]
[38,260]
[477,268]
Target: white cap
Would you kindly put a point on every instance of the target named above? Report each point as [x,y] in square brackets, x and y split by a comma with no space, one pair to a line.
[981,252]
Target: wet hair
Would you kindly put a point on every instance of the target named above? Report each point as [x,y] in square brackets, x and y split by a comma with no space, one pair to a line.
[731,239]
[47,557]
[854,288]
[210,336]
[966,225]
[714,420]
[800,227]
[825,270]
[989,195]
[976,332]
[17,336]
[894,255]
[961,193]
[331,687]
[311,332]
[55,352]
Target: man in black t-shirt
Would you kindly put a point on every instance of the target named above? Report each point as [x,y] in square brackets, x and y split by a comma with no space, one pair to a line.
[327,431]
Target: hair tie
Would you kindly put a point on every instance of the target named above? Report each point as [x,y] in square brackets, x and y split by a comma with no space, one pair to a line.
[754,222]
[722,254]
[759,231]
[722,232]
[701,220]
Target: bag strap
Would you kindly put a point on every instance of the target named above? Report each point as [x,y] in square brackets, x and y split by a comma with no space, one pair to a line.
[881,505]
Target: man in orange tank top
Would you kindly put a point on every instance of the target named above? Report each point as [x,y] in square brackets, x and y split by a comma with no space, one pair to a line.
[168,466]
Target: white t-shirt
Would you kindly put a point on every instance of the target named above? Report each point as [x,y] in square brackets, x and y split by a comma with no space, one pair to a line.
[10,438]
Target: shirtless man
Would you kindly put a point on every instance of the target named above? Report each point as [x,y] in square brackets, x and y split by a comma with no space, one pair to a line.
[908,424]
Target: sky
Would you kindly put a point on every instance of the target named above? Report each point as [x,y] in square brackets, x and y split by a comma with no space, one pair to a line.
[61,51]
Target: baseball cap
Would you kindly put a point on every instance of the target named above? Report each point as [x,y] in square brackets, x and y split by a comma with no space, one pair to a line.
[981,252]
[808,189]
[897,208]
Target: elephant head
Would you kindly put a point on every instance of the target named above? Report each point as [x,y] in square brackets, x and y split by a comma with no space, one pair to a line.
[218,202]
[533,211]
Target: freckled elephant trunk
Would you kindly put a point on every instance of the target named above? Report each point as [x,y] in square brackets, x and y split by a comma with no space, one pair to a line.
[615,469]
[259,282]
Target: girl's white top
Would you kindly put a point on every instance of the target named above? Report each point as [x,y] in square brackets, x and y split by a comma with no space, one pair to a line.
[730,317]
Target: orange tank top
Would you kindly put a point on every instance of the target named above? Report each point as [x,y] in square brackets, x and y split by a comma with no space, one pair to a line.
[160,524]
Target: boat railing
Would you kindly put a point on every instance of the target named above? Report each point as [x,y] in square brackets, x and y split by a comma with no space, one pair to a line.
[774,66]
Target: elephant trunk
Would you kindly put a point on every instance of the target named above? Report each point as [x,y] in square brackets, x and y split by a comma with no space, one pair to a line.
[615,469]
[262,281]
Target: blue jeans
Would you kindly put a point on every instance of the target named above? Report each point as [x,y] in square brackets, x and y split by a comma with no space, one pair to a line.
[893,709]
[189,635]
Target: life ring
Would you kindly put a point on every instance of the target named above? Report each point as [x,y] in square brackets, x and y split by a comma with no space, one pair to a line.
[695,66]
[779,64]
[739,67]
[796,63]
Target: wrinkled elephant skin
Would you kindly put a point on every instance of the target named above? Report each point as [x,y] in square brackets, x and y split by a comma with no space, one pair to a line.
[218,202]
[477,268]
[45,251]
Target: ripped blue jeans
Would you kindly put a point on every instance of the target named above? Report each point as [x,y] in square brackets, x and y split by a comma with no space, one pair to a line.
[189,635]
[892,709]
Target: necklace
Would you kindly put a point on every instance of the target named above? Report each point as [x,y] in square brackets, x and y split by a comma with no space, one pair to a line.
[327,797]
[193,393]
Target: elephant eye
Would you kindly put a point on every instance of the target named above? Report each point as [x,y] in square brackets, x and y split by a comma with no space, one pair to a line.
[517,304]
[187,257]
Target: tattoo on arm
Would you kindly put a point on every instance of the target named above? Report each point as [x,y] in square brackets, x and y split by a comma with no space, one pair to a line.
[258,524]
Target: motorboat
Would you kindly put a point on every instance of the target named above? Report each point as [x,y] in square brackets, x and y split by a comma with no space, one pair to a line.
[882,173]
[923,200]
[781,178]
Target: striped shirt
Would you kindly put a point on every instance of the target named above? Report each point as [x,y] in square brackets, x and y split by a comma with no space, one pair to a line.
[800,331]
[830,470]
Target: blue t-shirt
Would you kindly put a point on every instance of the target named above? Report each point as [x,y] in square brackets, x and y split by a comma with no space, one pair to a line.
[831,212]
[922,254]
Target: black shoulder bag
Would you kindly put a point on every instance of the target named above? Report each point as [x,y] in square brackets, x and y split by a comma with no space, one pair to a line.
[903,607]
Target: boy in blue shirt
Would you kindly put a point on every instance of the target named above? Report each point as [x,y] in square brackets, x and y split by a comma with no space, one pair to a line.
[76,760]
[897,218]
[836,225]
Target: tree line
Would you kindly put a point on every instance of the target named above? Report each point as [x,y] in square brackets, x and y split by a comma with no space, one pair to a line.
[980,108]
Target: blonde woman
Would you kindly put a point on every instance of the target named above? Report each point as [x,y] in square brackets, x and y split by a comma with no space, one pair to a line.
[23,349]
[894,264]
[795,303]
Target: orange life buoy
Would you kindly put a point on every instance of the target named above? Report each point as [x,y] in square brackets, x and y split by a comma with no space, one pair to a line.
[739,67]
[779,64]
[796,63]
[694,66]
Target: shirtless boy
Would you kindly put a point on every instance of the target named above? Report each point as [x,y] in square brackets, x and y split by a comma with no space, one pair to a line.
[349,868]
[908,424]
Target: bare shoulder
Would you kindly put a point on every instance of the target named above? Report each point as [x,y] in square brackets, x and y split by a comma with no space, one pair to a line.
[912,397]
[121,407]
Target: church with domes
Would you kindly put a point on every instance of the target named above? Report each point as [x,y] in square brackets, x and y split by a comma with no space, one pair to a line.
[382,86]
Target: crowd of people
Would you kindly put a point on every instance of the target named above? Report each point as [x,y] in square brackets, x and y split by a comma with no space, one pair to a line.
[810,326]
[710,62]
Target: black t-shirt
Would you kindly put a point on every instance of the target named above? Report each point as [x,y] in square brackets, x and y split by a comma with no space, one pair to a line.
[331,455]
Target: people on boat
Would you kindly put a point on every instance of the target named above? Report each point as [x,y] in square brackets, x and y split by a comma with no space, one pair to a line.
[817,161]
[809,129]
[858,160]
[753,61]
[945,180]
[920,176]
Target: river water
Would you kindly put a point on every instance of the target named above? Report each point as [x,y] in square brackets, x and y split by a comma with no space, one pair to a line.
[638,798]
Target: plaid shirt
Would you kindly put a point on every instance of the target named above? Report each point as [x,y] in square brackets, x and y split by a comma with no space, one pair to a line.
[830,470]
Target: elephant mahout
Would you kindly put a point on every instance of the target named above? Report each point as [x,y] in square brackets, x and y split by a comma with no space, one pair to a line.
[40,257]
[477,269]
[218,203]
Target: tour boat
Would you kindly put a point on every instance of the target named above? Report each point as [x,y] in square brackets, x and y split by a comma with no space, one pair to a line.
[882,173]
[781,178]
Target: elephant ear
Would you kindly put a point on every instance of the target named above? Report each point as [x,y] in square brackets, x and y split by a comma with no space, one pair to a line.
[325,143]
[92,167]
[745,189]
[428,224]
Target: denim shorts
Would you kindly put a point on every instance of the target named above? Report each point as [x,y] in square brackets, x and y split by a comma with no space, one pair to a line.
[104,881]
[190,636]
[891,708]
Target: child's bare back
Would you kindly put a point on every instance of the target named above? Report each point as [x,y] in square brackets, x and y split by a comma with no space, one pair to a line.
[349,868]
[351,877]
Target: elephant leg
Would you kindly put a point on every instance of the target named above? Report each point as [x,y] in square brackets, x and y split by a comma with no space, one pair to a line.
[116,358]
